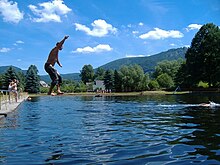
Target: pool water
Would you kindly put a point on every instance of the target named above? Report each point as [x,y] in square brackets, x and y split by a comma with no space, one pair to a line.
[159,129]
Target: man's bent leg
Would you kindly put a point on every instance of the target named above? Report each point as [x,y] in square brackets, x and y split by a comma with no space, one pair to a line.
[58,85]
[51,89]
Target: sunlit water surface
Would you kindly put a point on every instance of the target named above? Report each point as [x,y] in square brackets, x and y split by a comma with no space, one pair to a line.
[166,129]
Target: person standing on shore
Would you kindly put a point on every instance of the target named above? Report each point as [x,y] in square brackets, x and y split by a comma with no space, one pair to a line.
[13,87]
[49,67]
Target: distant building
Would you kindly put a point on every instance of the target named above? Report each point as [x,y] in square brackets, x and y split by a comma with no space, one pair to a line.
[43,84]
[98,85]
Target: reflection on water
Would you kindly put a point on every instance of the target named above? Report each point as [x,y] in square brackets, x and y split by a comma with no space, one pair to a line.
[154,129]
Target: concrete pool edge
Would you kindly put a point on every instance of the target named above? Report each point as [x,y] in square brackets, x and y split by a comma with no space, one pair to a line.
[10,107]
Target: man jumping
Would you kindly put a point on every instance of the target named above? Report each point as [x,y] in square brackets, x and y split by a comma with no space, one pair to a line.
[49,67]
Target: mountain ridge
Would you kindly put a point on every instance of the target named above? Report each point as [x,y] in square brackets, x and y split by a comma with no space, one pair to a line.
[148,62]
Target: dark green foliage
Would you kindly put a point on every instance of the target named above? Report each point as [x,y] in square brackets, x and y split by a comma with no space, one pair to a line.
[203,56]
[87,74]
[8,77]
[21,79]
[165,81]
[99,74]
[1,80]
[32,80]
[166,73]
[80,87]
[182,78]
[44,89]
[117,82]
[68,86]
[133,78]
[109,80]
[153,85]
[169,67]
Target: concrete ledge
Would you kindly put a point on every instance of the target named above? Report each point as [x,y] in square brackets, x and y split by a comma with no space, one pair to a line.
[9,107]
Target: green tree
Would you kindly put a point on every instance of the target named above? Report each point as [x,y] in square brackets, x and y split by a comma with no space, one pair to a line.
[153,85]
[133,78]
[182,78]
[68,86]
[21,78]
[80,87]
[125,78]
[203,56]
[109,80]
[165,81]
[1,80]
[117,82]
[87,74]
[32,80]
[9,75]
[99,74]
[169,67]
[146,81]
[138,76]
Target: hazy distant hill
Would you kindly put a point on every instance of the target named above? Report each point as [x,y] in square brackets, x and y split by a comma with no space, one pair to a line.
[148,63]
[46,78]
[3,69]
[70,76]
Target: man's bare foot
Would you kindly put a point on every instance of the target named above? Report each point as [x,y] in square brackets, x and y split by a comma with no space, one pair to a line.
[53,94]
[60,93]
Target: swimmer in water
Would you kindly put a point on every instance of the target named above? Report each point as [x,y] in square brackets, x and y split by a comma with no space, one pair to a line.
[210,104]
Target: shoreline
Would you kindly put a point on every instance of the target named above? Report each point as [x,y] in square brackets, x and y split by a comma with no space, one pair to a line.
[143,93]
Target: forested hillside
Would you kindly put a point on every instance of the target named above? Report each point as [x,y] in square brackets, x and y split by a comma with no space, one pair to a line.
[148,63]
[3,69]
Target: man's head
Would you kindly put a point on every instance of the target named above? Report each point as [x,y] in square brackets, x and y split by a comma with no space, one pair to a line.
[59,46]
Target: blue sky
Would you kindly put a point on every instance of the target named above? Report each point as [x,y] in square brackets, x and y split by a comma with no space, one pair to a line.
[100,30]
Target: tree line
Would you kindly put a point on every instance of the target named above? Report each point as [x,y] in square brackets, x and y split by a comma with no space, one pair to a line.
[200,68]
[28,82]
[131,78]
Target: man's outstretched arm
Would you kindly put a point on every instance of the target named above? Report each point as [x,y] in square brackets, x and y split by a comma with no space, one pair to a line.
[63,40]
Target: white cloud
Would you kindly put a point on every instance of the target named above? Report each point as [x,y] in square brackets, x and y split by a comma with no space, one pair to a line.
[10,11]
[96,49]
[141,24]
[100,28]
[4,50]
[172,44]
[133,55]
[19,42]
[49,11]
[193,27]
[157,34]
[129,25]
[135,32]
